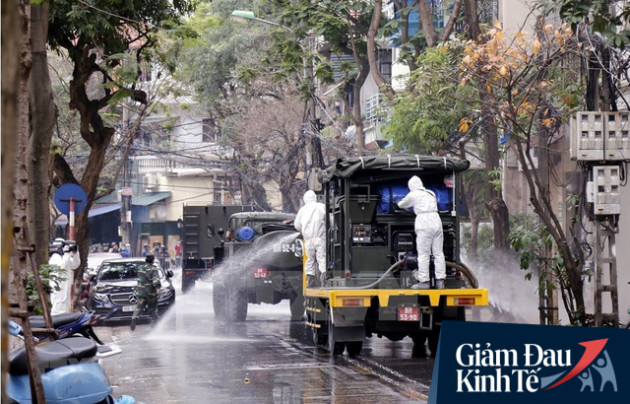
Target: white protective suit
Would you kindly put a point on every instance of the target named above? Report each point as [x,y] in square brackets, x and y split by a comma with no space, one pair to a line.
[311,222]
[60,299]
[428,227]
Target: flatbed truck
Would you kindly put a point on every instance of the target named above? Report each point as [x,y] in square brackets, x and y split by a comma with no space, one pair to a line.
[370,255]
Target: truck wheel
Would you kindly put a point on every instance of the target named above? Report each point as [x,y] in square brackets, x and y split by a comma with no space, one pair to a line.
[419,341]
[419,349]
[335,347]
[297,308]
[236,304]
[354,347]
[187,283]
[319,338]
[218,301]
[434,338]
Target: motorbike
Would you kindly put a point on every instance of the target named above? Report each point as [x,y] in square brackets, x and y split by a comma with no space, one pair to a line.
[66,325]
[70,372]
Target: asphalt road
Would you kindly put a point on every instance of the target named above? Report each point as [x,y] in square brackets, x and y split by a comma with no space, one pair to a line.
[191,357]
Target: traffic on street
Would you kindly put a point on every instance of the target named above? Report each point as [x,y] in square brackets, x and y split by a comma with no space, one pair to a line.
[190,356]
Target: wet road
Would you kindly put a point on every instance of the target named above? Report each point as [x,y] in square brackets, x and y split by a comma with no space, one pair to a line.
[191,357]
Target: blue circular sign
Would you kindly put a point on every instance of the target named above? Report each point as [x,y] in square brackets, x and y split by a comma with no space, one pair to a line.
[63,195]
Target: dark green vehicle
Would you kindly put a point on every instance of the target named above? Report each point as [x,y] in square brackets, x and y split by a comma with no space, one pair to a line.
[370,250]
[203,229]
[259,262]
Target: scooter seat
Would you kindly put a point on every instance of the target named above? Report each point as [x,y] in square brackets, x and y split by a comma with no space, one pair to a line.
[58,320]
[54,354]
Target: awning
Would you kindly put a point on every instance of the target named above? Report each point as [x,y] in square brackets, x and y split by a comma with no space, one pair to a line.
[149,199]
[96,210]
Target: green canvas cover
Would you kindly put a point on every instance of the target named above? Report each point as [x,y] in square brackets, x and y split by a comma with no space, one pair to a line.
[348,167]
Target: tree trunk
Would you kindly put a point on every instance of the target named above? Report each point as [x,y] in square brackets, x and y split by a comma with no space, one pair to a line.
[19,263]
[495,204]
[472,19]
[426,19]
[383,86]
[43,120]
[357,118]
[17,278]
[14,32]
[89,182]
[448,28]
[471,199]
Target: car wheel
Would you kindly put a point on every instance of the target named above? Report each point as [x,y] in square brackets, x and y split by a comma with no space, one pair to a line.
[335,347]
[236,304]
[218,300]
[354,347]
[187,283]
[297,308]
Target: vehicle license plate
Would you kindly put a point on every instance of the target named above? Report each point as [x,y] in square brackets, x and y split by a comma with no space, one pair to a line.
[261,273]
[408,313]
[129,308]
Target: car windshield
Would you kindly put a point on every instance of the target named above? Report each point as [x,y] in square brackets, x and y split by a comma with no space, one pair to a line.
[120,271]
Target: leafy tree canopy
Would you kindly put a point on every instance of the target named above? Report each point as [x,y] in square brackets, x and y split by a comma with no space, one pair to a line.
[429,112]
[111,24]
[607,17]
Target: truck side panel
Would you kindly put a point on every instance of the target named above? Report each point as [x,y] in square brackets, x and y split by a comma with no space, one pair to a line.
[203,230]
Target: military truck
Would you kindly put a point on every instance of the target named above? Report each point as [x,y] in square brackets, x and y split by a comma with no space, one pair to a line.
[371,255]
[260,262]
[203,230]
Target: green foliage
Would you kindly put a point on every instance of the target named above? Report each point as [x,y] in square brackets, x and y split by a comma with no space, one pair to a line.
[495,179]
[51,276]
[527,238]
[485,242]
[531,240]
[429,111]
[110,24]
[599,14]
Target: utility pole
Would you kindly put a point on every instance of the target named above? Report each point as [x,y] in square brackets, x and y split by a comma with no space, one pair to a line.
[312,145]
[125,209]
[600,141]
[313,148]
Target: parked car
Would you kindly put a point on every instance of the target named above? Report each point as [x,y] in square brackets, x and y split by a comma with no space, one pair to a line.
[111,289]
[94,261]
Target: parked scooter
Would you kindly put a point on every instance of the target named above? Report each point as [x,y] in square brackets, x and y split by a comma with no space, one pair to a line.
[66,325]
[70,372]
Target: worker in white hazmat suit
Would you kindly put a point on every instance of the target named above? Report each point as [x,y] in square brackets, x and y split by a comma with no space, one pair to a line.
[311,222]
[429,233]
[62,299]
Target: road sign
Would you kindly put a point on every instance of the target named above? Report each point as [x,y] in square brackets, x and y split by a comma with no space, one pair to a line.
[67,192]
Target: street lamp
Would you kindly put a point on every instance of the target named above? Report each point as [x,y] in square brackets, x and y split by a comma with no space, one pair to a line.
[244,15]
[310,169]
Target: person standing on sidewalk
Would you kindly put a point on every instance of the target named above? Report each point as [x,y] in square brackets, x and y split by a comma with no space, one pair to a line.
[147,291]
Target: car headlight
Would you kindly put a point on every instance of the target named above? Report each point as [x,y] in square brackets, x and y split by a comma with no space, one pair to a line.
[101,297]
[166,293]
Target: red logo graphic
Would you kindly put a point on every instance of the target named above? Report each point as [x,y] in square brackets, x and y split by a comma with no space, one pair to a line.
[593,349]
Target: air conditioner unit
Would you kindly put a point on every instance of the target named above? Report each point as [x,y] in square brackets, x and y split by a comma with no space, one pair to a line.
[150,182]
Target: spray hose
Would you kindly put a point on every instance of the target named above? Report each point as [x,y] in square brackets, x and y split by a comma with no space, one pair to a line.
[376,282]
[460,267]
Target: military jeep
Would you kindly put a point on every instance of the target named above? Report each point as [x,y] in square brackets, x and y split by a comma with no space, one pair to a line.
[259,262]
